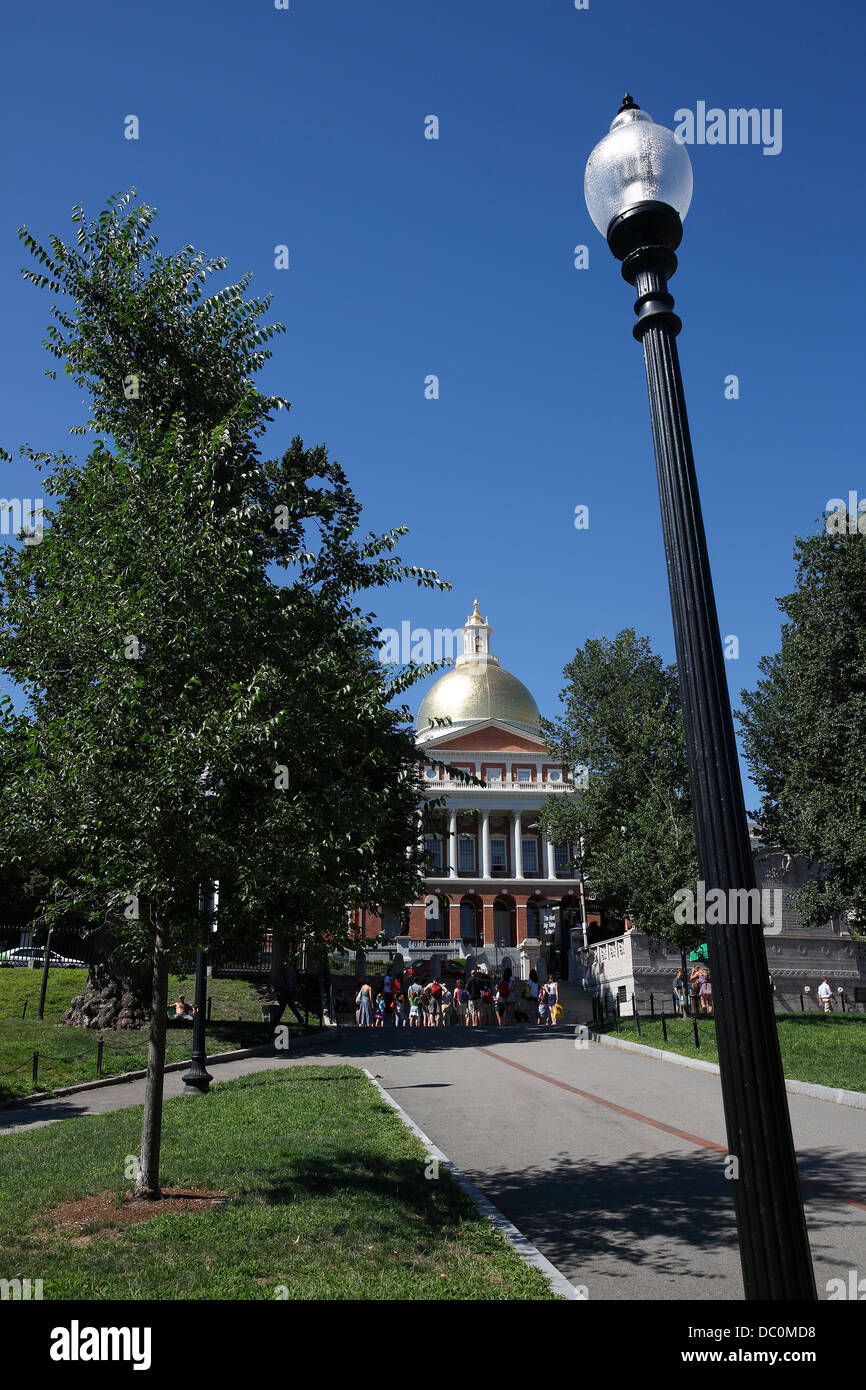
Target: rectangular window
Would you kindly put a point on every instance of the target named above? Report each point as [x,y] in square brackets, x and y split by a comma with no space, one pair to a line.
[561,857]
[434,845]
[493,774]
[524,774]
[497,852]
[466,855]
[530,856]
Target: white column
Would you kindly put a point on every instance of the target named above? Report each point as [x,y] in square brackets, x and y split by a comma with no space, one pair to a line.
[452,844]
[485,844]
[518,847]
[548,852]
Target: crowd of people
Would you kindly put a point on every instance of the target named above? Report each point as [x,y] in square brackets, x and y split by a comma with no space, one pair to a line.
[478,1000]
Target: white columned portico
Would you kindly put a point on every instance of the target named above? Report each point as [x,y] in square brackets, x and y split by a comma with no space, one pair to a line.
[518,844]
[452,844]
[548,854]
[485,843]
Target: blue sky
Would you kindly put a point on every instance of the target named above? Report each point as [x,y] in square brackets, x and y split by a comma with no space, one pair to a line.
[454,257]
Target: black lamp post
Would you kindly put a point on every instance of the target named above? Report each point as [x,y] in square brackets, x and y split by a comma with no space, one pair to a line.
[196,1081]
[638,187]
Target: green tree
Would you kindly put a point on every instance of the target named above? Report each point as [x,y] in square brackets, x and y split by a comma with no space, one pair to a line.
[621,734]
[204,698]
[804,725]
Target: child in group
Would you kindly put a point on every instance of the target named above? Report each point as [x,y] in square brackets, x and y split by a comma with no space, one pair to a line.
[543,1007]
[414,1010]
[380,1011]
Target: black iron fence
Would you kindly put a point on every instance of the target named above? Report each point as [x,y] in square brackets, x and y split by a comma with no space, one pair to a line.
[65,942]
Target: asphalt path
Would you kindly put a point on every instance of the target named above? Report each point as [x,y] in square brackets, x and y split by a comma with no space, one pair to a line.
[611,1163]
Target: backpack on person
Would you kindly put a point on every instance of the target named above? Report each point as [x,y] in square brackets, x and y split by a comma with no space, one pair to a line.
[486,996]
[504,988]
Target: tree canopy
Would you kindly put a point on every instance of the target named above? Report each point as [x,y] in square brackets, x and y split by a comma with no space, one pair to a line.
[621,725]
[204,694]
[803,724]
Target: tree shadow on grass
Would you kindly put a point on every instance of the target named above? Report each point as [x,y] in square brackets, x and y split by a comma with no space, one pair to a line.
[399,1183]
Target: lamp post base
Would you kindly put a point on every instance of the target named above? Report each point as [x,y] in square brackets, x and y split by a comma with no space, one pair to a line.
[196,1081]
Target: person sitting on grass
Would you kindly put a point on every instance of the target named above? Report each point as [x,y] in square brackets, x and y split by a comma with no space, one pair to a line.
[182,1009]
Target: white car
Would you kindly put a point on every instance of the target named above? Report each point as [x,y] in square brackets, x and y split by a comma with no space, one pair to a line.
[26,955]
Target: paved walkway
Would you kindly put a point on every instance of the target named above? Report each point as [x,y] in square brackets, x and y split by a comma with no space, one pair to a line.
[611,1163]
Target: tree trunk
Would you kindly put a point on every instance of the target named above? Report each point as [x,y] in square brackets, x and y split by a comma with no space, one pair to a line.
[117,995]
[151,1123]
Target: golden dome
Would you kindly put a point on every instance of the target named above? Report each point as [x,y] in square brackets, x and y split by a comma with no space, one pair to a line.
[475,691]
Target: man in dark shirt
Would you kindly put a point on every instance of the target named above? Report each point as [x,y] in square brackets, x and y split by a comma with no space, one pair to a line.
[474,988]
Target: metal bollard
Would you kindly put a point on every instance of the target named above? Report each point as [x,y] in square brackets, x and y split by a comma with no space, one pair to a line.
[36,1069]
[99,1048]
[209,1002]
[24,1010]
[802,1005]
[664,1027]
[695,1026]
[652,1005]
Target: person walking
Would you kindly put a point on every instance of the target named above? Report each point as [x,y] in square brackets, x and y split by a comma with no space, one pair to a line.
[508,982]
[707,994]
[414,1001]
[436,1004]
[695,987]
[552,999]
[543,1010]
[447,1007]
[473,990]
[400,1008]
[533,996]
[364,1002]
[825,996]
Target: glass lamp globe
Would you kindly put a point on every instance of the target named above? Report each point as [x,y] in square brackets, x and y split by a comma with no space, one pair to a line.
[636,162]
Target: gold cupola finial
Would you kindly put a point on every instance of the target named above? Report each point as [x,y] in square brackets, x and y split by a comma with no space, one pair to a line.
[475,617]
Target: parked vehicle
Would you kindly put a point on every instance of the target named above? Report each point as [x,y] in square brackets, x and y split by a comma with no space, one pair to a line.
[26,955]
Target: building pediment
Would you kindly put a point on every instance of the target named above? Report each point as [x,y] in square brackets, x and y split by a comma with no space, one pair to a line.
[491,736]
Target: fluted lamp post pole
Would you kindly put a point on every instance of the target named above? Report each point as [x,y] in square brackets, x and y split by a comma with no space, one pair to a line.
[638,187]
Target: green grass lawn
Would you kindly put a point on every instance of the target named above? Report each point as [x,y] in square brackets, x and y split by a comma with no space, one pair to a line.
[68,1055]
[829,1049]
[329,1200]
